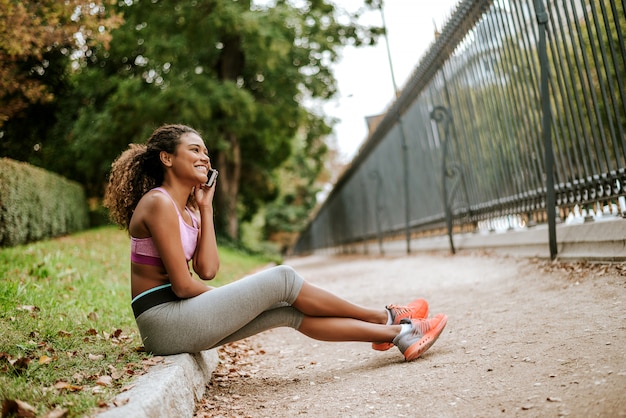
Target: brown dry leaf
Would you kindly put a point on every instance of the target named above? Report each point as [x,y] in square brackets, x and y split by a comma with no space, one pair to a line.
[95,357]
[61,385]
[43,345]
[153,361]
[45,359]
[121,402]
[63,333]
[104,380]
[19,408]
[92,316]
[56,413]
[91,331]
[28,308]
[116,374]
[20,364]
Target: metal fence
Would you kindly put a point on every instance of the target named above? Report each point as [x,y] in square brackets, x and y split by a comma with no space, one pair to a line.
[469,125]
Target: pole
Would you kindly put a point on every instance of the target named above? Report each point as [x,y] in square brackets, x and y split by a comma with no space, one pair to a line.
[542,20]
[405,147]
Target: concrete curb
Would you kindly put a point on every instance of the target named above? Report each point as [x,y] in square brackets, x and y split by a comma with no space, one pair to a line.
[169,389]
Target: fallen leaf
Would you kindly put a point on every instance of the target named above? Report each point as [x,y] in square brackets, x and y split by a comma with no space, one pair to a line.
[153,360]
[61,385]
[95,357]
[56,413]
[104,380]
[63,333]
[19,408]
[20,364]
[116,374]
[45,359]
[28,308]
[121,402]
[127,388]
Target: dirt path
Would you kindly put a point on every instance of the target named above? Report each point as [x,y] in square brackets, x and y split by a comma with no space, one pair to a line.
[524,338]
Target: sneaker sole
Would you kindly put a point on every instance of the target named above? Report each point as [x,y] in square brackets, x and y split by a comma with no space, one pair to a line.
[426,342]
[381,346]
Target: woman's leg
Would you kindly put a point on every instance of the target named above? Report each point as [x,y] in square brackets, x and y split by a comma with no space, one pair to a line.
[317,302]
[347,329]
[251,305]
[324,316]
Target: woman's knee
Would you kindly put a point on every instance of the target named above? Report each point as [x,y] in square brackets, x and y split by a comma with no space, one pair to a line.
[293,281]
[286,270]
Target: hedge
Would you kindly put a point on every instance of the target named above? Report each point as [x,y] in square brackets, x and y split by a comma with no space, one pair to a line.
[36,204]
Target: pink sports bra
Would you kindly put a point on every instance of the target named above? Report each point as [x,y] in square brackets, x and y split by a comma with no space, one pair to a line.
[143,250]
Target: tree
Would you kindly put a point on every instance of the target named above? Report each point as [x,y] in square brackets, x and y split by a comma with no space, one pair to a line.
[34,37]
[237,72]
[311,165]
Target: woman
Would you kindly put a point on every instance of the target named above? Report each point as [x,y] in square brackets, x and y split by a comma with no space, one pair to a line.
[158,193]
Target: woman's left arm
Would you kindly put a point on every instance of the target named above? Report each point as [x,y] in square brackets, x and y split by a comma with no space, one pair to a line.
[206,261]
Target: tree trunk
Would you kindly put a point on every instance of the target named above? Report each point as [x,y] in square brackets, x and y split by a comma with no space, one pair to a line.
[229,67]
[229,165]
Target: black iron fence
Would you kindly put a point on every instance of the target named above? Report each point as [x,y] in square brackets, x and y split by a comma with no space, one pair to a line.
[471,116]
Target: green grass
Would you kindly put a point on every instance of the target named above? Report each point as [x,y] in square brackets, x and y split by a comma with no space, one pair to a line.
[68,339]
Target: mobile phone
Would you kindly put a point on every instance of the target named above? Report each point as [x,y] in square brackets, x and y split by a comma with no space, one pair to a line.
[212,177]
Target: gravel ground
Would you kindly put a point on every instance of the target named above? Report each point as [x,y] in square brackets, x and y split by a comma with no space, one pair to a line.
[527,338]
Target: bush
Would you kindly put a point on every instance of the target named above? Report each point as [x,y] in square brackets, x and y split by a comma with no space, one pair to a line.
[37,204]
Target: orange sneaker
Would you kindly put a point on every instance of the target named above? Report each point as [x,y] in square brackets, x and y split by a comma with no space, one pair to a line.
[415,310]
[422,335]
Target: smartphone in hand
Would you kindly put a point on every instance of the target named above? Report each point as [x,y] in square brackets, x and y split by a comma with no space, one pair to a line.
[212,177]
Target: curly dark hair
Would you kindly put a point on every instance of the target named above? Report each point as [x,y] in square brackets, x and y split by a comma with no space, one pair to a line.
[138,170]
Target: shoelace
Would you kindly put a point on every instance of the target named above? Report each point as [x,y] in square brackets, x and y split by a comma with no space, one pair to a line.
[398,311]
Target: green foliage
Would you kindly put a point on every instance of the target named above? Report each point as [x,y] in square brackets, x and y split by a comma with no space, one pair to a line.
[299,186]
[65,319]
[238,73]
[35,204]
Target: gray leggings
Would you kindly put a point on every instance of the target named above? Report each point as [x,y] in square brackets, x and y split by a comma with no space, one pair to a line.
[225,314]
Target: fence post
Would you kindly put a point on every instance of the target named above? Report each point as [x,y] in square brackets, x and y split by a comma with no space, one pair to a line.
[441,114]
[379,208]
[405,146]
[542,20]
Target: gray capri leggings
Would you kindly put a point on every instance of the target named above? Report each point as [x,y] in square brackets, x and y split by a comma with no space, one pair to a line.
[225,314]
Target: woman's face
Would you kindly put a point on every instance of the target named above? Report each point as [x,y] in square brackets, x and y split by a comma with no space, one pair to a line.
[191,159]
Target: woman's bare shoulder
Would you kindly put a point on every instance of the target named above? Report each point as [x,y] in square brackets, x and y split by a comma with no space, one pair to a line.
[152,207]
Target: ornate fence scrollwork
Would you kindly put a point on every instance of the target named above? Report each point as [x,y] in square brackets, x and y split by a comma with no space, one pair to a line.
[451,172]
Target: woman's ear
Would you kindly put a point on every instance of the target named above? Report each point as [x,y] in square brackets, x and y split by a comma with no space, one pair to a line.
[166,158]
